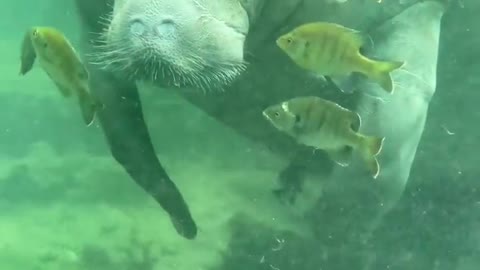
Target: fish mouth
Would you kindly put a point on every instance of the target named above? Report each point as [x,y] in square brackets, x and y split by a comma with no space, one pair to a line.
[282,42]
[266,115]
[279,42]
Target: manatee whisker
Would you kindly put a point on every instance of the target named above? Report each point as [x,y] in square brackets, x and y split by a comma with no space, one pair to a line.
[197,68]
[106,19]
[414,75]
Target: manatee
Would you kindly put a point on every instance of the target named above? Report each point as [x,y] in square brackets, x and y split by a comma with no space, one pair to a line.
[229,45]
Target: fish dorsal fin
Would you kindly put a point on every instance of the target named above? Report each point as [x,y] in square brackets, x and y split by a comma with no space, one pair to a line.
[63,89]
[66,92]
[357,38]
[353,119]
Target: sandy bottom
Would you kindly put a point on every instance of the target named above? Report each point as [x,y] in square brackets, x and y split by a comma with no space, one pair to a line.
[79,212]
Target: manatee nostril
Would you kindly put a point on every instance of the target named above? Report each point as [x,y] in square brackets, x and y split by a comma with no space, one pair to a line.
[137,27]
[165,28]
[166,21]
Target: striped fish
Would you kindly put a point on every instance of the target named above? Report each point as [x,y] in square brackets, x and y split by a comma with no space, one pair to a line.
[61,63]
[325,125]
[332,50]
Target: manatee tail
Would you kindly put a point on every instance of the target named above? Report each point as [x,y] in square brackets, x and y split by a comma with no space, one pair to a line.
[380,72]
[371,147]
[89,106]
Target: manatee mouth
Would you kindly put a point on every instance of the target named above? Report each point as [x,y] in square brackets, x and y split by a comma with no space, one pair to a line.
[197,68]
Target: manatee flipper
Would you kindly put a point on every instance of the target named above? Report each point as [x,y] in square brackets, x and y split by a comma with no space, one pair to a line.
[290,180]
[127,135]
[130,143]
[341,156]
[124,126]
[28,54]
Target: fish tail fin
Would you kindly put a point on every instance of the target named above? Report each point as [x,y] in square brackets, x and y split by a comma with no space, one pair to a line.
[28,54]
[89,106]
[381,73]
[371,147]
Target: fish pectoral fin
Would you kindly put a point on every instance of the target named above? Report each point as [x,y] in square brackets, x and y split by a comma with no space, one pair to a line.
[66,91]
[355,121]
[342,83]
[335,82]
[28,54]
[318,76]
[341,156]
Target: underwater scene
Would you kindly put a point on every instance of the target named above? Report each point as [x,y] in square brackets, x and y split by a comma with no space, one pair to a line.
[240,135]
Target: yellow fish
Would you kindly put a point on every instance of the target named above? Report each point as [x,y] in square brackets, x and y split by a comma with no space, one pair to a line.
[332,50]
[325,125]
[62,64]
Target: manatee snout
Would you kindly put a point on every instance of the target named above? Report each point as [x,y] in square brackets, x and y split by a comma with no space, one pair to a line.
[196,43]
[144,29]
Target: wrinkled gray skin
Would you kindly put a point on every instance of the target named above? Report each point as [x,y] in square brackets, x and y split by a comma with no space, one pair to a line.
[203,44]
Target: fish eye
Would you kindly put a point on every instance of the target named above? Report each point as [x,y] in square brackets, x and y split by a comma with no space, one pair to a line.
[297,119]
[277,114]
[289,40]
[35,33]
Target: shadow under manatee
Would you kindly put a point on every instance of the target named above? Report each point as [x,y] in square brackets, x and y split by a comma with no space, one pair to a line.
[436,224]
[432,228]
[256,246]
